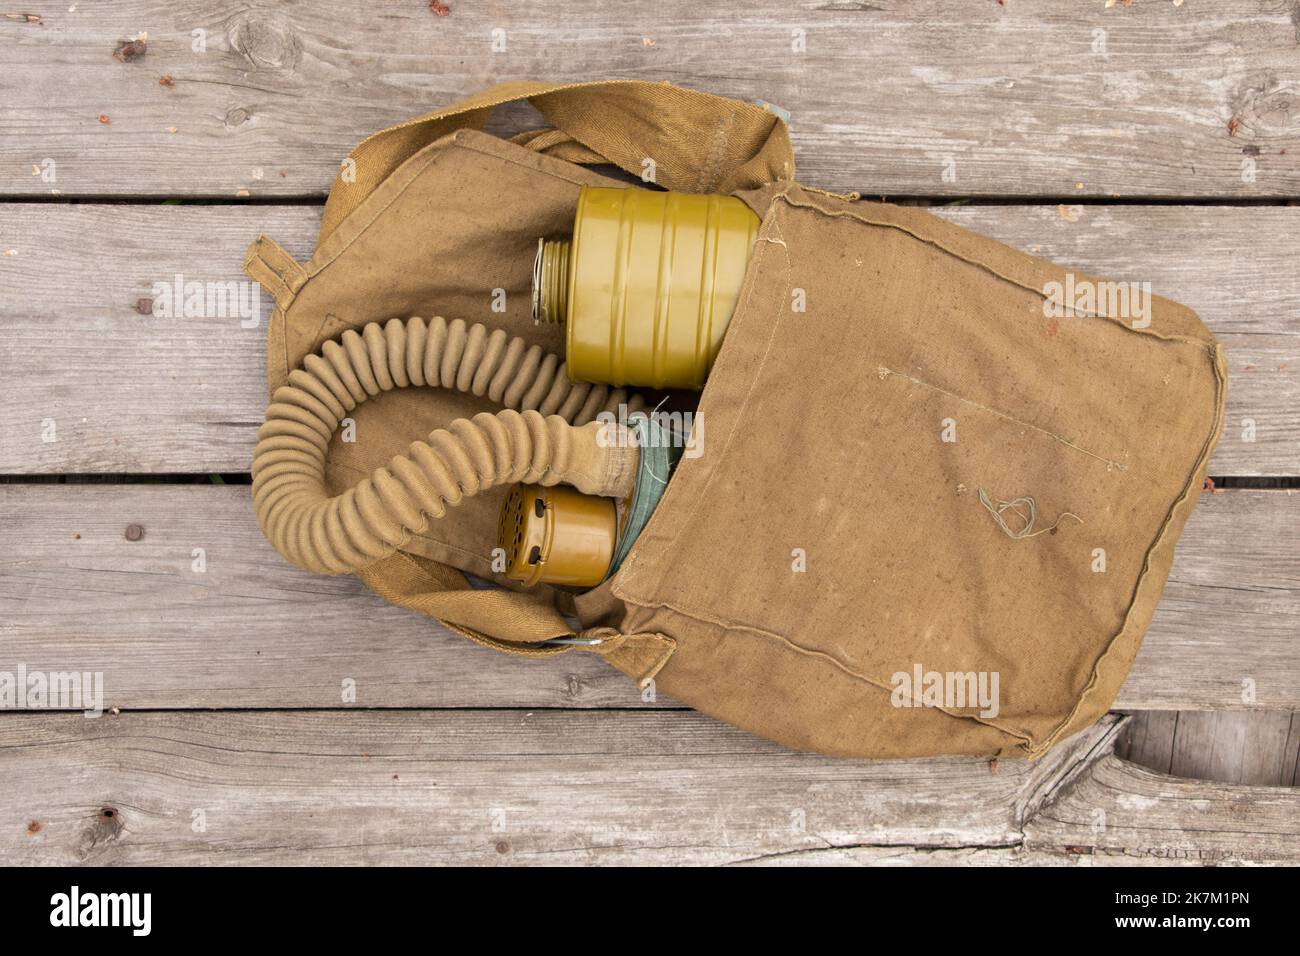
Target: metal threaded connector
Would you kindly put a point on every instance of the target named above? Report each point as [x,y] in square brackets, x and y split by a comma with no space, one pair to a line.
[551,281]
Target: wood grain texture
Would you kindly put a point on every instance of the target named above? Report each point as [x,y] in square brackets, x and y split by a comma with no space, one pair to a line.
[1251,747]
[1148,739]
[493,788]
[1291,750]
[252,631]
[472,787]
[1053,98]
[145,394]
[1119,812]
[1234,747]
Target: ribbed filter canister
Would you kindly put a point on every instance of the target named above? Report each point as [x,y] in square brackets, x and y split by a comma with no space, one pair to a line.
[647,285]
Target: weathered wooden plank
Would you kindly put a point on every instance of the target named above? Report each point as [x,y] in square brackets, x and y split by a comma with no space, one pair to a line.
[1148,739]
[1234,747]
[1119,812]
[252,631]
[93,381]
[1256,748]
[563,787]
[477,787]
[141,393]
[1292,748]
[248,630]
[1051,98]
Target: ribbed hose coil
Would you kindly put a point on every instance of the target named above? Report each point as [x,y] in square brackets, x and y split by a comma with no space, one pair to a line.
[535,440]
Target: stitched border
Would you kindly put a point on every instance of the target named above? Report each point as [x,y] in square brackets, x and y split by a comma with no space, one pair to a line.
[462,139]
[620,586]
[770,224]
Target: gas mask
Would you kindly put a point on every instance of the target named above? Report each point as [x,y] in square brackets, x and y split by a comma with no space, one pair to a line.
[644,286]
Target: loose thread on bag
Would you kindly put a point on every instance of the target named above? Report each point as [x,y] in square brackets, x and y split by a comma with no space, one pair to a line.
[650,432]
[1027,530]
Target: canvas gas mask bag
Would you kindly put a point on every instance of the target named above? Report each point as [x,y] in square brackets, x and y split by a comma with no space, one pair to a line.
[938,483]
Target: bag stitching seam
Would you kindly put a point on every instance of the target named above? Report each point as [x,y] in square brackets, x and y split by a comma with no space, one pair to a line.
[1032,749]
[773,225]
[1216,352]
[313,268]
[618,590]
[979,263]
[813,652]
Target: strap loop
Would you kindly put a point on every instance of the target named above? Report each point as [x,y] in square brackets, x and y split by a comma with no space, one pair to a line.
[279,273]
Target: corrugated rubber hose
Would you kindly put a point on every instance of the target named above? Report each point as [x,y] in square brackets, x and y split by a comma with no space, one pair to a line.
[546,435]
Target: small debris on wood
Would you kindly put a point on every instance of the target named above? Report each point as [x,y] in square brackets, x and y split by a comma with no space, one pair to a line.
[647,41]
[1082,850]
[440,8]
[1233,126]
[33,827]
[128,50]
[993,765]
[1209,486]
[1069,213]
[242,192]
[115,710]
[166,80]
[171,129]
[11,252]
[144,306]
[24,17]
[105,118]
[134,532]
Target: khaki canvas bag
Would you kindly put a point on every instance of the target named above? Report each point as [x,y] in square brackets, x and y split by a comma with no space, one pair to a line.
[932,466]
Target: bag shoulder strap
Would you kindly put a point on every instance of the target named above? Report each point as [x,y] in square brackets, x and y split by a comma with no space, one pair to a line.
[697,142]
